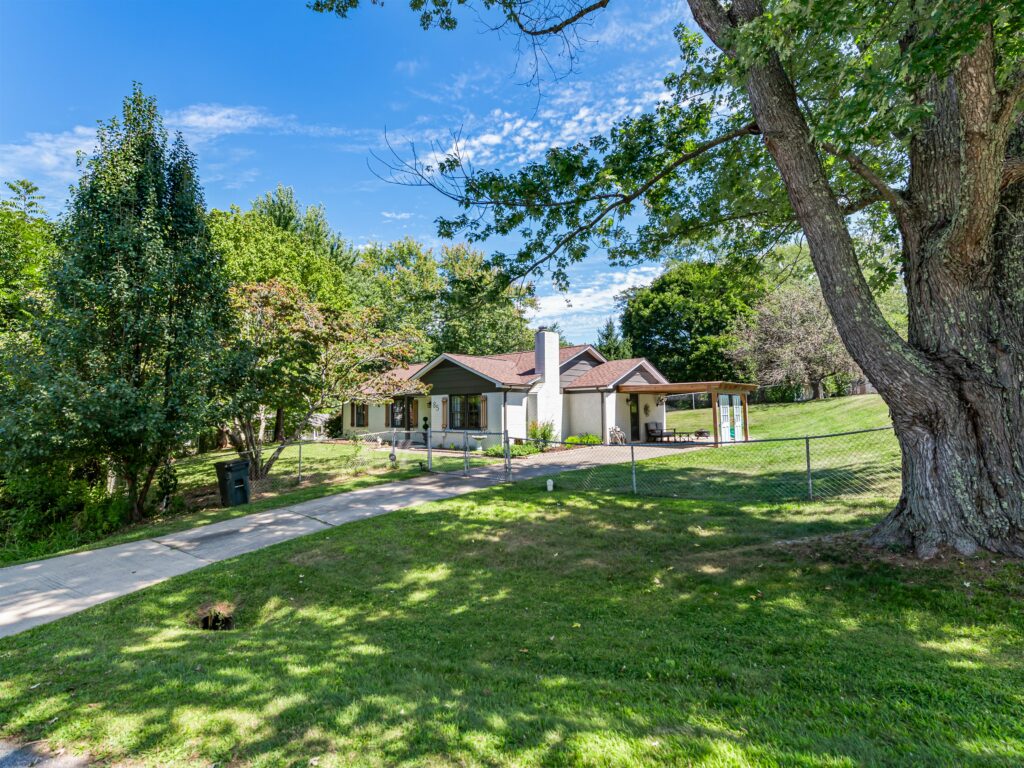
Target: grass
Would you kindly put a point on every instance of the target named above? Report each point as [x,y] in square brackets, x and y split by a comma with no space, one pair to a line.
[849,466]
[816,417]
[512,627]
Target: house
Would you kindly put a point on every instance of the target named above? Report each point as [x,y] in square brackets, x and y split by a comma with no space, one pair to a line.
[574,388]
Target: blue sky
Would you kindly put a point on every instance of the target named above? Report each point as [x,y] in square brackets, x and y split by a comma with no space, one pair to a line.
[268,92]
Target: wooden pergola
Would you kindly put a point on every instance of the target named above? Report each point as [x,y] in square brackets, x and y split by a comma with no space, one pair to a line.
[714,388]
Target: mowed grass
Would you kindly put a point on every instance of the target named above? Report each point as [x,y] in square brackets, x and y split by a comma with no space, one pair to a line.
[866,463]
[815,417]
[513,627]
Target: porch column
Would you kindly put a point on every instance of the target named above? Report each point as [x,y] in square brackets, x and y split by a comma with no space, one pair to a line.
[746,418]
[714,415]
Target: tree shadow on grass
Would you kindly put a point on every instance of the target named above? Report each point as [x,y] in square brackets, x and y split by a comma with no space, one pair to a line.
[520,628]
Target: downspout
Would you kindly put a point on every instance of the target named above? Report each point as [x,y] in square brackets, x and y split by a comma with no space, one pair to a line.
[504,410]
[604,425]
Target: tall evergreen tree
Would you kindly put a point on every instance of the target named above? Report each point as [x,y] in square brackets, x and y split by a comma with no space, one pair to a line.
[611,344]
[138,302]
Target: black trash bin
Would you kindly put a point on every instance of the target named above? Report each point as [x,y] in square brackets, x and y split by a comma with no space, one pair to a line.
[233,482]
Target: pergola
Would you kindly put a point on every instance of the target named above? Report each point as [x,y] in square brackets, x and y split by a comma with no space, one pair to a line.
[716,389]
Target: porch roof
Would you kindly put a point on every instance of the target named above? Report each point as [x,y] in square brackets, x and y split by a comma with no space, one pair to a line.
[688,387]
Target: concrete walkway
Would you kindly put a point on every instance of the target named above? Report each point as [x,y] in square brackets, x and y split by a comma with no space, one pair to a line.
[46,590]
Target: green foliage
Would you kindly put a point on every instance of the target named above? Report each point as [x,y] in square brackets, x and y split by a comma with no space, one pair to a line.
[27,247]
[477,313]
[681,322]
[584,439]
[516,450]
[128,348]
[542,431]
[256,250]
[611,344]
[459,301]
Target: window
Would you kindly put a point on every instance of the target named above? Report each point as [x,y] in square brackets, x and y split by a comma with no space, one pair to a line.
[398,413]
[464,412]
[360,415]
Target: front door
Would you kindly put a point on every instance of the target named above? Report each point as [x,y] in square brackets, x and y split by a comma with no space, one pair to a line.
[634,417]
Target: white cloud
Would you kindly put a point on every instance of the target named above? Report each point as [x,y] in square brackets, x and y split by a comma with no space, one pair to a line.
[396,216]
[48,159]
[408,67]
[586,306]
[626,30]
[204,122]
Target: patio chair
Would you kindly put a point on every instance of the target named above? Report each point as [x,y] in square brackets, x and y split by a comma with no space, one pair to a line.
[656,434]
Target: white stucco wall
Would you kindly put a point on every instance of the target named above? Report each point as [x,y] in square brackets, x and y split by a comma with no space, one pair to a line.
[517,415]
[583,411]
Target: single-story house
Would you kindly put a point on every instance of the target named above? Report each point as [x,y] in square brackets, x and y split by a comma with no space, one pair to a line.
[574,388]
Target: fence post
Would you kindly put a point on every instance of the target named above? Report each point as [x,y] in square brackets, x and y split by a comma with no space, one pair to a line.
[632,463]
[300,461]
[465,452]
[430,450]
[506,450]
[810,480]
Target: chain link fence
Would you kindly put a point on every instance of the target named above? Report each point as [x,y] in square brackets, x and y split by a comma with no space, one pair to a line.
[309,463]
[864,463]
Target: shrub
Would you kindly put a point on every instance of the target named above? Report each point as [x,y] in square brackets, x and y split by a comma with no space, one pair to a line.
[515,450]
[543,431]
[584,439]
[334,427]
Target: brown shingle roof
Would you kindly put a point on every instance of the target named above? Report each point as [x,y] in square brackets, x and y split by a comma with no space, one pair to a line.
[516,369]
[606,374]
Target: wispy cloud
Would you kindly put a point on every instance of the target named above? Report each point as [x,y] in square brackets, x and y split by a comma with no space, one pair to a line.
[408,67]
[584,309]
[49,159]
[396,216]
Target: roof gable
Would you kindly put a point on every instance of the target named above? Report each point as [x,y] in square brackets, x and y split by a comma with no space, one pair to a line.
[607,375]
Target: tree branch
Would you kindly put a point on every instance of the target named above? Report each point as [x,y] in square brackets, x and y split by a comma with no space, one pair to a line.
[558,26]
[745,130]
[1013,172]
[1011,98]
[862,169]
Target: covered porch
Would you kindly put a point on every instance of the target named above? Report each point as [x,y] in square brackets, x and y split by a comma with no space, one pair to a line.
[730,422]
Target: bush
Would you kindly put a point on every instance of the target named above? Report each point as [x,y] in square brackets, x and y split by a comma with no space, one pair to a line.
[515,450]
[585,439]
[543,431]
[334,427]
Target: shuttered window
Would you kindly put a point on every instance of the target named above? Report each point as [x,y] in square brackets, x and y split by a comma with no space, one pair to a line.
[464,412]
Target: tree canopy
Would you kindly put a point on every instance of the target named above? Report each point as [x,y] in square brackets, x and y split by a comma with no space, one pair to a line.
[683,320]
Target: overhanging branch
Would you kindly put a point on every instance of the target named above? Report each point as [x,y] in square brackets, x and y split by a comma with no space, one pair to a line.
[559,26]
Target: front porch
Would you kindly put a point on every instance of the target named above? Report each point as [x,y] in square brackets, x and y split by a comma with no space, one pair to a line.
[729,415]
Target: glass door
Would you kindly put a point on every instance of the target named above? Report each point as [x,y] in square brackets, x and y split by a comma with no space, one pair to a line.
[634,417]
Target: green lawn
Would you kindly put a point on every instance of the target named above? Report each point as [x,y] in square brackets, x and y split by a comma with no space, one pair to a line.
[861,464]
[513,627]
[816,417]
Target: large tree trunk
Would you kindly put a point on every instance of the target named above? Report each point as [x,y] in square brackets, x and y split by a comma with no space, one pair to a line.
[956,389]
[279,426]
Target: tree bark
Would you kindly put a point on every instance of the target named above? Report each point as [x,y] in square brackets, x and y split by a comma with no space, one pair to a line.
[279,426]
[956,388]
